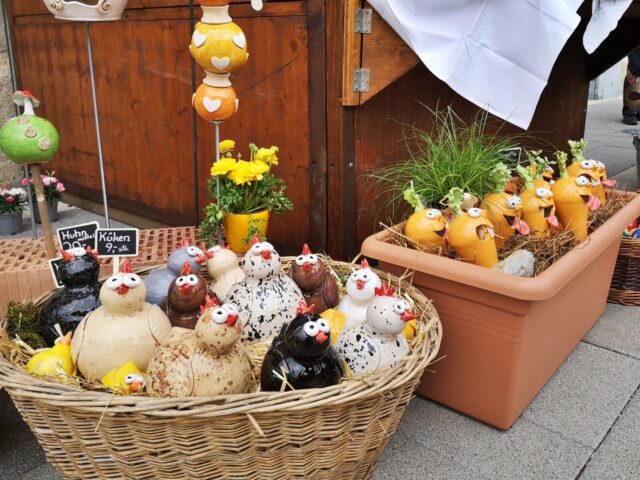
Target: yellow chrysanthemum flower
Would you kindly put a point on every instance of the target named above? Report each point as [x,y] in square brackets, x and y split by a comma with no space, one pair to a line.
[223,166]
[227,146]
[267,155]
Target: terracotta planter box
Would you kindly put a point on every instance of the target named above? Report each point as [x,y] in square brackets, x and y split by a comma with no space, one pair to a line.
[505,336]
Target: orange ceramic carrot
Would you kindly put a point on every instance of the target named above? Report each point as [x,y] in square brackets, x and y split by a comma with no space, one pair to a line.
[597,186]
[538,207]
[427,226]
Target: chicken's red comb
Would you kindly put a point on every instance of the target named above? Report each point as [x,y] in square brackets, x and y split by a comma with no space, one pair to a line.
[364,263]
[186,268]
[384,291]
[256,239]
[306,250]
[127,267]
[209,302]
[183,243]
[66,256]
[92,251]
[304,308]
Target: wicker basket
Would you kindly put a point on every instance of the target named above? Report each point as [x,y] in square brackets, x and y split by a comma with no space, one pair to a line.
[625,284]
[331,433]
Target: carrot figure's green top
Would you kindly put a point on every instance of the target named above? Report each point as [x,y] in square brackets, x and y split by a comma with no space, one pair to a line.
[561,158]
[526,175]
[577,149]
[454,200]
[539,162]
[412,198]
[500,175]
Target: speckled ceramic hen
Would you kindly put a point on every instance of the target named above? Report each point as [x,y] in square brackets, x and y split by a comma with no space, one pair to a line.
[318,287]
[208,361]
[378,343]
[186,296]
[267,298]
[79,272]
[301,353]
[361,286]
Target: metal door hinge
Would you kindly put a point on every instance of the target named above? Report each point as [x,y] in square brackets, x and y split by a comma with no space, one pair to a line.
[363,20]
[361,80]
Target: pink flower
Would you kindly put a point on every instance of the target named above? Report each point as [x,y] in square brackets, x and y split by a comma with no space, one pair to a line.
[60,187]
[10,198]
[24,182]
[46,180]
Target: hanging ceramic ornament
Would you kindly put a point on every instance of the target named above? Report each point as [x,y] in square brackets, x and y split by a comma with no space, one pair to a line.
[318,286]
[224,268]
[123,328]
[67,307]
[378,343]
[208,362]
[361,286]
[538,206]
[215,99]
[267,298]
[427,226]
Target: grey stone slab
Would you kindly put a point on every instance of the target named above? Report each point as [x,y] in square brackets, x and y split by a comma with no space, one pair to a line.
[586,394]
[526,451]
[618,458]
[618,329]
[627,179]
[42,472]
[406,459]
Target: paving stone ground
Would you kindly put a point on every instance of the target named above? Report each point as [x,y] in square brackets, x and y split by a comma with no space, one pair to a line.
[585,424]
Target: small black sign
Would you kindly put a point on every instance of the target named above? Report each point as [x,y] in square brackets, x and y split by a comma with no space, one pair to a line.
[78,236]
[117,242]
[513,155]
[54,265]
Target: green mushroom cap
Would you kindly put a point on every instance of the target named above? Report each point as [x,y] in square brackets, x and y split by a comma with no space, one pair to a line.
[29,139]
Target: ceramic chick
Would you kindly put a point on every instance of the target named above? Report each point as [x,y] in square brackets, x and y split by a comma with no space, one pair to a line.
[126,379]
[537,206]
[427,226]
[267,298]
[361,286]
[318,286]
[208,362]
[67,307]
[123,328]
[302,354]
[186,296]
[379,342]
[159,280]
[224,268]
[55,361]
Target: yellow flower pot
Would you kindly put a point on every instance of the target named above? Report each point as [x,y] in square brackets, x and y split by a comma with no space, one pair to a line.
[238,225]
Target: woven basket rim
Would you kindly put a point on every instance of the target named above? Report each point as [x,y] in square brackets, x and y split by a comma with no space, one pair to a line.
[22,384]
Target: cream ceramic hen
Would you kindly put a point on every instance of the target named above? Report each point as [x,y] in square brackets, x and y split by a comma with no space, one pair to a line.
[361,286]
[224,268]
[123,328]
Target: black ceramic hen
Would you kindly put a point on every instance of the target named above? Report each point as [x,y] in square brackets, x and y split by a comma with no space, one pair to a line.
[79,273]
[302,355]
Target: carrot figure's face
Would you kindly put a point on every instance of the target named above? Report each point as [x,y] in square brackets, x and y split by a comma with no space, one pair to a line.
[539,210]
[574,201]
[471,236]
[428,227]
[505,212]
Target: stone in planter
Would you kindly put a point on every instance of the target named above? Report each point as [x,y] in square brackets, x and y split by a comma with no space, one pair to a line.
[507,335]
[10,223]
[51,207]
[520,263]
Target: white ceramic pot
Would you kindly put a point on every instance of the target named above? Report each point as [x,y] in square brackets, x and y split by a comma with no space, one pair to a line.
[102,11]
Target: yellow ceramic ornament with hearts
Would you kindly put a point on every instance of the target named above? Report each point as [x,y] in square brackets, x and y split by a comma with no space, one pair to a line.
[219,48]
[215,103]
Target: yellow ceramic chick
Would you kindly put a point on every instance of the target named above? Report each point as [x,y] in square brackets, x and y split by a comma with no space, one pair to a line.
[125,379]
[55,361]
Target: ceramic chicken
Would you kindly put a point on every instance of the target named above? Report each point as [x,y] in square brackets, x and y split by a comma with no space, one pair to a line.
[361,286]
[158,281]
[538,206]
[573,200]
[318,287]
[301,356]
[208,362]
[267,298]
[224,268]
[426,226]
[471,233]
[597,186]
[55,361]
[186,296]
[125,380]
[379,342]
[67,307]
[123,328]
[503,209]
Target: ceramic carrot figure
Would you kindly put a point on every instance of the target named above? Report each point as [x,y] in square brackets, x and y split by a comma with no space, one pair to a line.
[427,226]
[597,186]
[503,209]
[471,233]
[580,165]
[573,199]
[540,168]
[538,206]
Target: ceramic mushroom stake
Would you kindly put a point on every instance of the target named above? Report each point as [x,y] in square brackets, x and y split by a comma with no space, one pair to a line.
[471,233]
[301,356]
[224,268]
[361,286]
[503,209]
[427,226]
[208,362]
[318,286]
[31,140]
[538,206]
[378,343]
[123,328]
[67,307]
[573,199]
[186,295]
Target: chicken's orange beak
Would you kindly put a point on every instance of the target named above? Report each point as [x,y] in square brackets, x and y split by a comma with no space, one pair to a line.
[307,267]
[266,254]
[321,337]
[122,290]
[201,259]
[135,387]
[232,319]
[185,289]
[407,315]
[360,284]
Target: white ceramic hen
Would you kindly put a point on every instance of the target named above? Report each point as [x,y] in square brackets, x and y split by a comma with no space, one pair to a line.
[224,268]
[361,286]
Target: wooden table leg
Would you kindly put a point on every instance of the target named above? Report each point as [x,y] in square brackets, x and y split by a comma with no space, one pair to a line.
[44,211]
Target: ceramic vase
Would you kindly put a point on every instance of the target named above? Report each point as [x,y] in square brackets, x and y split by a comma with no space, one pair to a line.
[237,227]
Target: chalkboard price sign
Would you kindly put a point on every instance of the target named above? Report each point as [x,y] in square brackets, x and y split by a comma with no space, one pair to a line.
[117,242]
[78,236]
[54,265]
[512,155]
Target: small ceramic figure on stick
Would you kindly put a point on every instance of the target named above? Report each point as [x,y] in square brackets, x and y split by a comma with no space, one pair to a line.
[186,296]
[318,286]
[224,268]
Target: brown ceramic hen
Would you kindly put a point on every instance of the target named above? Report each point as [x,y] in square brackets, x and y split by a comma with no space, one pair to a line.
[318,286]
[186,294]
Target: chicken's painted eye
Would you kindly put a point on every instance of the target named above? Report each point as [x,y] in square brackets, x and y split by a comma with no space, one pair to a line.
[311,329]
[324,326]
[433,214]
[300,260]
[513,202]
[131,280]
[219,316]
[400,307]
[587,164]
[474,212]
[129,379]
[582,181]
[114,282]
[192,280]
[192,251]
[256,249]
[180,281]
[312,259]
[365,277]
[543,192]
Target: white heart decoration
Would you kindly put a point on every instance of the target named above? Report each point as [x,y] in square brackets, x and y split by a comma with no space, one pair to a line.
[211,105]
[237,104]
[220,63]
[257,5]
[239,40]
[199,39]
